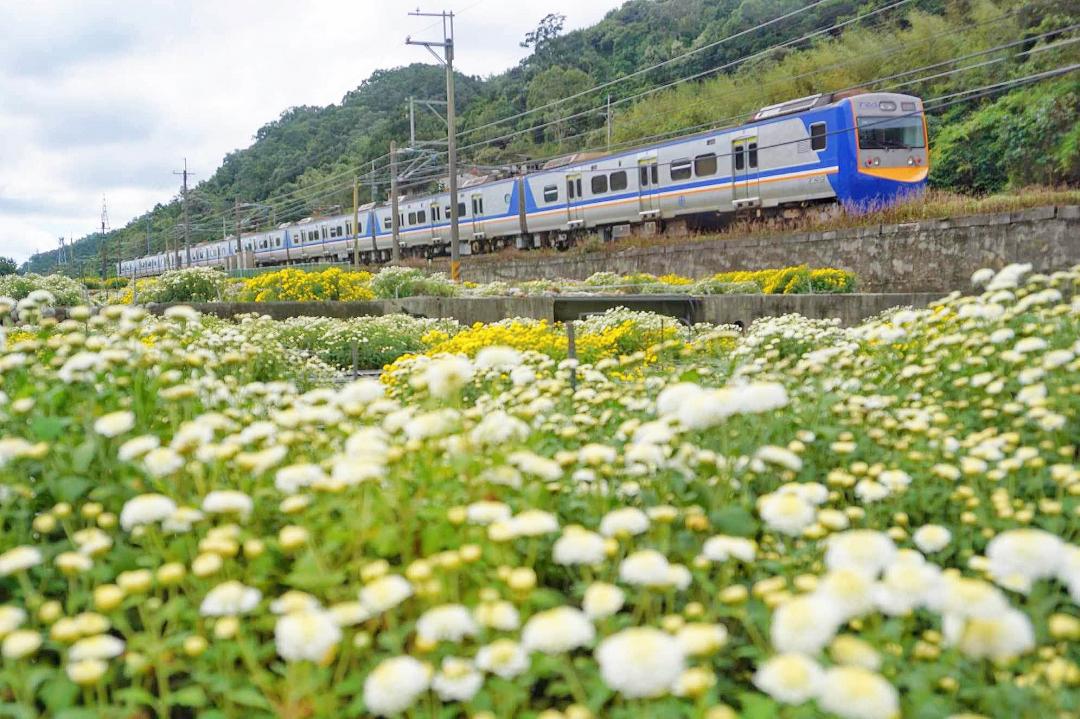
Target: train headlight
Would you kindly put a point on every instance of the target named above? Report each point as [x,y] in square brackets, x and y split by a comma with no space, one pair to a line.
[911,161]
[877,161]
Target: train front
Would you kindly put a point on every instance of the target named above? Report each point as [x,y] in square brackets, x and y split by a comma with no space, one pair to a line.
[891,156]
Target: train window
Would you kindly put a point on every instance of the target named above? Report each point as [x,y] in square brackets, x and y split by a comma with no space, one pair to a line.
[421,217]
[618,180]
[341,230]
[752,155]
[818,136]
[680,169]
[655,175]
[570,189]
[705,165]
[551,193]
[477,206]
[348,228]
[461,209]
[412,218]
[323,232]
[599,184]
[643,175]
[739,151]
[387,222]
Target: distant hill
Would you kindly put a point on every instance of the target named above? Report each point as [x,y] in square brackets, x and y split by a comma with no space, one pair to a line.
[1031,134]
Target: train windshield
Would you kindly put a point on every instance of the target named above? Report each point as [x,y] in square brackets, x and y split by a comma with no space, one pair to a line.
[891,133]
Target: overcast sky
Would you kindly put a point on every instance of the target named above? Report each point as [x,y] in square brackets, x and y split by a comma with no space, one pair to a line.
[106,97]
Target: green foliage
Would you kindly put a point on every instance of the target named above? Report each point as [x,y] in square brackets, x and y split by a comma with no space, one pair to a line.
[195,284]
[8,266]
[378,340]
[393,282]
[64,290]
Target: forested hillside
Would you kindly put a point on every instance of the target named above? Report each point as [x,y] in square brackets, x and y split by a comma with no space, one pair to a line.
[303,162]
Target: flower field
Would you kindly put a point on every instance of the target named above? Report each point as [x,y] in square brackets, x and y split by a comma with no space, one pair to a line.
[796,521]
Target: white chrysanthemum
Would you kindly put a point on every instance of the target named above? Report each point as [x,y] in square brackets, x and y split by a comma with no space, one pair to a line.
[294,601]
[981,276]
[136,447]
[503,657]
[966,597]
[447,374]
[501,615]
[849,590]
[786,512]
[931,538]
[395,685]
[499,428]
[486,512]
[674,396]
[557,630]
[863,550]
[804,624]
[699,639]
[19,559]
[627,520]
[457,680]
[647,568]
[1027,554]
[542,467]
[497,357]
[533,523]
[721,548]
[20,644]
[1001,637]
[349,614]
[162,462]
[640,662]
[446,623]
[228,501]
[602,600]
[100,646]
[385,593]
[310,635]
[779,456]
[229,599]
[907,585]
[857,693]
[594,454]
[11,618]
[115,424]
[293,478]
[146,509]
[790,678]
[578,546]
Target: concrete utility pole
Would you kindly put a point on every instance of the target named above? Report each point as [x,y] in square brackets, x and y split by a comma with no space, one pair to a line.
[239,244]
[447,60]
[148,234]
[187,224]
[356,221]
[104,244]
[609,122]
[374,199]
[395,227]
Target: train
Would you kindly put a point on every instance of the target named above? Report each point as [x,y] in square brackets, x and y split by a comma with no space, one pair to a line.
[857,150]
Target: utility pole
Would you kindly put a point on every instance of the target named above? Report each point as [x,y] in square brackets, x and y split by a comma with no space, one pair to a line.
[374,199]
[239,230]
[187,224]
[148,234]
[609,122]
[395,248]
[104,244]
[447,60]
[356,221]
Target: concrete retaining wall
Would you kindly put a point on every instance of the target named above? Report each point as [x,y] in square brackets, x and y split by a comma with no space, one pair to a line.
[718,309]
[929,256]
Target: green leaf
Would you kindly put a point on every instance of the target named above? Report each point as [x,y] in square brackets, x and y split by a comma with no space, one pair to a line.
[308,576]
[735,521]
[83,456]
[249,697]
[189,696]
[70,489]
[758,706]
[136,695]
[58,692]
[49,428]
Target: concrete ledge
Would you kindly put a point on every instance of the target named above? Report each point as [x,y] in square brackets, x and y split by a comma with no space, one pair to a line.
[717,309]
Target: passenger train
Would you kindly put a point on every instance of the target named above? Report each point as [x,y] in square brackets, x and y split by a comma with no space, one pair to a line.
[858,150]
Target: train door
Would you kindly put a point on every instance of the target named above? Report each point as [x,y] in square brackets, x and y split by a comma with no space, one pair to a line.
[477,208]
[575,208]
[744,173]
[435,218]
[648,188]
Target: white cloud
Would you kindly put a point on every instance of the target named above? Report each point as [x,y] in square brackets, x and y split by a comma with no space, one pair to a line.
[106,97]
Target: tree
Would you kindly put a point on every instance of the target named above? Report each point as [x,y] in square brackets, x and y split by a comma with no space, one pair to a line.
[7,266]
[554,84]
[548,29]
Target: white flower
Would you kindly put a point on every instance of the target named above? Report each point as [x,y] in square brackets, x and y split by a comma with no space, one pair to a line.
[20,644]
[907,585]
[227,501]
[162,462]
[447,374]
[349,614]
[786,512]
[115,423]
[11,618]
[486,512]
[1024,554]
[499,428]
[597,454]
[790,678]
[100,646]
[721,547]
[385,593]
[291,479]
[533,523]
[229,599]
[395,685]
[19,559]
[578,546]
[931,538]
[503,657]
[310,635]
[137,446]
[849,590]
[146,509]
[646,567]
[457,680]
[625,521]
[804,624]
[497,357]
[602,600]
[857,693]
[965,597]
[557,630]
[701,638]
[448,622]
[640,662]
[1001,637]
[501,615]
[981,276]
[779,456]
[863,550]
